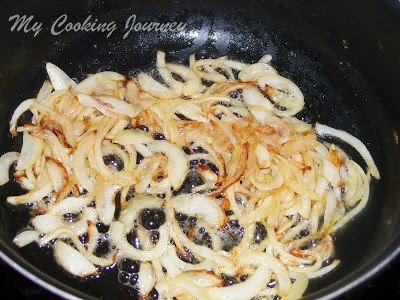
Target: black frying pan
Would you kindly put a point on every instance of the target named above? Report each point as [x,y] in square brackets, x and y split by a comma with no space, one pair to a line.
[344,55]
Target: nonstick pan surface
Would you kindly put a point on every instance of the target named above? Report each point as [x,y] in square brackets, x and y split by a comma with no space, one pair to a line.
[342,55]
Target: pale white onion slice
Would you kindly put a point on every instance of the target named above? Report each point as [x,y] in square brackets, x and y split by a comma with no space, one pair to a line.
[59,118]
[298,288]
[108,105]
[59,79]
[25,237]
[132,136]
[331,172]
[147,278]
[178,166]
[282,84]
[6,160]
[72,260]
[193,282]
[192,112]
[46,223]
[45,90]
[254,71]
[32,196]
[200,205]
[32,148]
[154,88]
[244,290]
[192,84]
[323,130]
[234,64]
[80,165]
[119,106]
[176,266]
[271,262]
[70,205]
[105,203]
[120,125]
[23,107]
[253,97]
[102,83]
[58,174]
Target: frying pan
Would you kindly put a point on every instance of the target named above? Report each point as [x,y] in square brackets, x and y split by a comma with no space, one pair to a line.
[344,55]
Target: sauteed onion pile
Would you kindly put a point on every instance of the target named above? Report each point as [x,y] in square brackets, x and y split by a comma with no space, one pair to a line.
[195,181]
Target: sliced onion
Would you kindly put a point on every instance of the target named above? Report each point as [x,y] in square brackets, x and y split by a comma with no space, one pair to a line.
[32,148]
[331,172]
[192,84]
[147,278]
[68,129]
[178,166]
[298,287]
[134,206]
[119,106]
[200,205]
[192,282]
[59,79]
[271,262]
[70,205]
[244,290]
[72,260]
[102,83]
[105,203]
[132,136]
[6,160]
[263,156]
[58,174]
[154,88]
[23,107]
[352,141]
[258,214]
[192,112]
[45,90]
[110,106]
[79,163]
[281,83]
[47,223]
[32,196]
[25,237]
[254,71]
[59,151]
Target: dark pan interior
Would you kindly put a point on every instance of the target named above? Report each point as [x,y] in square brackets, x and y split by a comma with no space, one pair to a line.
[336,84]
